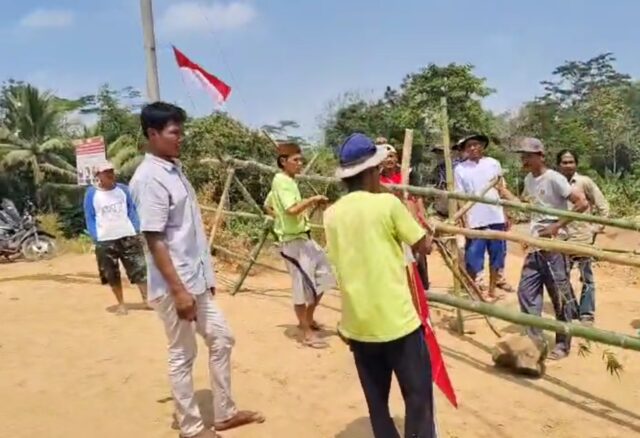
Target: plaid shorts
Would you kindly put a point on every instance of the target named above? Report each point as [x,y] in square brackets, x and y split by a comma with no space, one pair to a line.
[130,252]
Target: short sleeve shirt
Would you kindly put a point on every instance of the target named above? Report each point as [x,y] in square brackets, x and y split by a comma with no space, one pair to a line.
[284,195]
[365,233]
[551,190]
[167,203]
[472,178]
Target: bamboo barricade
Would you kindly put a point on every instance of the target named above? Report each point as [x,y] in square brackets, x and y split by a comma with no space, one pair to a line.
[433,192]
[469,204]
[523,319]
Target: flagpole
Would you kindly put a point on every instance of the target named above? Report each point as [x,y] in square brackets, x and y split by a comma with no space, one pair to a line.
[153,86]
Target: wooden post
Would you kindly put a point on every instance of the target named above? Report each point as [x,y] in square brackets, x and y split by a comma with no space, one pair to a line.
[266,229]
[223,200]
[455,254]
[153,85]
[405,168]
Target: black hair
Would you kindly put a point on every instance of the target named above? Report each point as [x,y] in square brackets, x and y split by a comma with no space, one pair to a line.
[279,160]
[564,152]
[158,115]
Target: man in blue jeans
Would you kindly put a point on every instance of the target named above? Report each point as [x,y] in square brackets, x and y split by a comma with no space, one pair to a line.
[472,176]
[583,232]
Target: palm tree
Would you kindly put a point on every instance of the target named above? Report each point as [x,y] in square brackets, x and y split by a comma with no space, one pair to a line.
[124,154]
[31,137]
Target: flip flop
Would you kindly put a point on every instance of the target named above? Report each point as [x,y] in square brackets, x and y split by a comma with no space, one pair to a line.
[242,418]
[316,326]
[315,343]
[557,354]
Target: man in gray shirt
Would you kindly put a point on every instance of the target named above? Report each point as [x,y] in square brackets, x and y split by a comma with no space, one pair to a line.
[547,188]
[181,279]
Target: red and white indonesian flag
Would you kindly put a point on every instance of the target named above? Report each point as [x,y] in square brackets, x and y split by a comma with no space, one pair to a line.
[214,86]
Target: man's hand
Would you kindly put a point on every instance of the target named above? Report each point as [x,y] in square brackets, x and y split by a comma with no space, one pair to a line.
[550,230]
[185,305]
[319,199]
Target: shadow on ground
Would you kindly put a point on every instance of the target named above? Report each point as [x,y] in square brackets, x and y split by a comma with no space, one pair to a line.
[130,306]
[361,428]
[77,278]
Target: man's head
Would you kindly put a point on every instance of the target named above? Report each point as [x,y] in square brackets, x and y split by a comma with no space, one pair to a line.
[290,158]
[106,175]
[359,160]
[390,164]
[531,152]
[162,123]
[473,146]
[567,161]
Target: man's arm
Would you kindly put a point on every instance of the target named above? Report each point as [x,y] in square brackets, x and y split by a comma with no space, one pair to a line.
[90,214]
[132,212]
[408,230]
[580,205]
[153,206]
[597,198]
[305,204]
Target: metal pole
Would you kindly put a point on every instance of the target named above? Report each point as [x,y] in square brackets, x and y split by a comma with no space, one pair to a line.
[153,86]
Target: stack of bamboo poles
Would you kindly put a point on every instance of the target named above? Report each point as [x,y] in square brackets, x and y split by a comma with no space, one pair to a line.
[448,229]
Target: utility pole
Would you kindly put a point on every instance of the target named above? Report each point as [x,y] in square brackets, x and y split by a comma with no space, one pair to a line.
[153,86]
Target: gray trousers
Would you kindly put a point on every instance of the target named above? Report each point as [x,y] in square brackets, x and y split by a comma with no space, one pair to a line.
[550,270]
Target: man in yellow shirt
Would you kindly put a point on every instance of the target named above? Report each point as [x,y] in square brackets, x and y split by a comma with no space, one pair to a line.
[365,231]
[306,262]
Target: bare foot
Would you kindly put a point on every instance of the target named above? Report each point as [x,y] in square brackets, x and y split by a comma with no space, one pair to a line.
[316,326]
[121,310]
[242,418]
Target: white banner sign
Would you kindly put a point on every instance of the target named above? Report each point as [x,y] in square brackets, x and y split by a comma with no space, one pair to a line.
[90,153]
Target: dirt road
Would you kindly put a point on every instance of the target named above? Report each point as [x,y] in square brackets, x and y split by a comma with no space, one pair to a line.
[71,368]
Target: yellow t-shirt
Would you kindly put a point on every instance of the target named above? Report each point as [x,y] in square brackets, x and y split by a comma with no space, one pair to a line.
[284,195]
[364,233]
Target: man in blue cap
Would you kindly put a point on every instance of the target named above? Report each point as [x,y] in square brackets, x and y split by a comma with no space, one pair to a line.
[365,231]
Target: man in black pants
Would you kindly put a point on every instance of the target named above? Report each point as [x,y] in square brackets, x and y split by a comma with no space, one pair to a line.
[365,231]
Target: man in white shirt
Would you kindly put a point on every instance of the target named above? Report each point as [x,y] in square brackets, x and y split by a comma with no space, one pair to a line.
[112,223]
[473,176]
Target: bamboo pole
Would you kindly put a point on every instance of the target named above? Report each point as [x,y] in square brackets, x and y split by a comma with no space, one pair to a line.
[523,319]
[545,244]
[244,258]
[455,252]
[433,192]
[405,166]
[266,229]
[223,199]
[469,204]
[246,215]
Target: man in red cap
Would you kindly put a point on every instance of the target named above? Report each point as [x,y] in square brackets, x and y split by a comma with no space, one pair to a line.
[306,262]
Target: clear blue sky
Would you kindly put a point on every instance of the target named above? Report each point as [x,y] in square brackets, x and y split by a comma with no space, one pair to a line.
[286,59]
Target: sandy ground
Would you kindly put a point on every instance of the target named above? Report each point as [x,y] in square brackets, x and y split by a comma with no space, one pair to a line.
[71,368]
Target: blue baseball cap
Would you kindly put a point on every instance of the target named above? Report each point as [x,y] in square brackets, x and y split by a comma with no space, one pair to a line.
[357,154]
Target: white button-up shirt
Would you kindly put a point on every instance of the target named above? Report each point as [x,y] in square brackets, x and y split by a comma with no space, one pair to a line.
[166,203]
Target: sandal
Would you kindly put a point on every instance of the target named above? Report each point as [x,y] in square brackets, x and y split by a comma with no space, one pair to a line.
[315,343]
[558,354]
[242,418]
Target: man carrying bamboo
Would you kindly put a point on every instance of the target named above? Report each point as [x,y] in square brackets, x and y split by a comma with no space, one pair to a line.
[582,232]
[379,320]
[306,262]
[482,176]
[547,188]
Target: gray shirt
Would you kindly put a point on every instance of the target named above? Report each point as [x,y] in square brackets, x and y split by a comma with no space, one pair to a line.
[166,203]
[551,190]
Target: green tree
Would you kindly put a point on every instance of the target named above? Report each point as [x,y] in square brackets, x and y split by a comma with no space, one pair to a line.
[31,137]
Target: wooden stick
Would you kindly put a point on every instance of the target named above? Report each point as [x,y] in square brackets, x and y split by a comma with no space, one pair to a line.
[223,200]
[469,204]
[245,215]
[523,319]
[455,253]
[545,244]
[433,192]
[244,258]
[254,255]
[405,166]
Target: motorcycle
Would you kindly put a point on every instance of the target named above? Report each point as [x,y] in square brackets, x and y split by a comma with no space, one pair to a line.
[20,235]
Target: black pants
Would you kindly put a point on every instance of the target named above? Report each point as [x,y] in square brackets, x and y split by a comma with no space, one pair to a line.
[408,358]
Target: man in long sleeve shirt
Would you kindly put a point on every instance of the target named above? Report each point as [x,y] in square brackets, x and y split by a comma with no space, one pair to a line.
[583,232]
[113,224]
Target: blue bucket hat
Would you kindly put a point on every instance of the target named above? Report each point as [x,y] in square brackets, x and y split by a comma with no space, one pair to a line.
[357,154]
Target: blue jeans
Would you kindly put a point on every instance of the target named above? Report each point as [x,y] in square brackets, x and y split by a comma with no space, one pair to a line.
[476,248]
[588,294]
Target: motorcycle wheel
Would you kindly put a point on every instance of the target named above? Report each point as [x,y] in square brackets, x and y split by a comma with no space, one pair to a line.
[42,249]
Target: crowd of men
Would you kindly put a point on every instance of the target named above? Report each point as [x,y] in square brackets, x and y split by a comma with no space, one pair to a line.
[365,258]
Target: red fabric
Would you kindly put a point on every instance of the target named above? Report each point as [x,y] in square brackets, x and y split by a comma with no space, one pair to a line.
[396,178]
[220,86]
[439,372]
